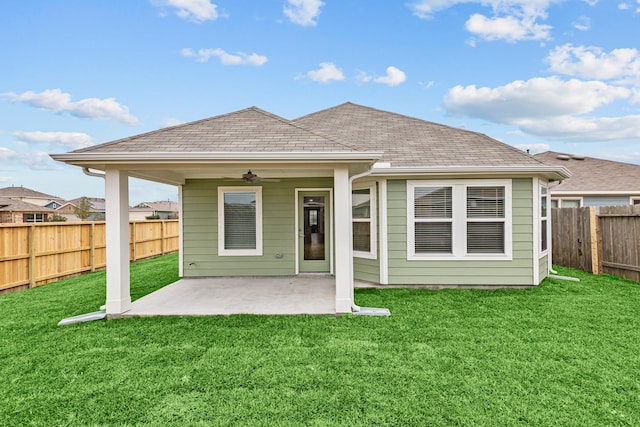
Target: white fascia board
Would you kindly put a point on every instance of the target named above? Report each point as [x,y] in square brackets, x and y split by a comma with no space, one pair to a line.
[214,157]
[560,193]
[557,172]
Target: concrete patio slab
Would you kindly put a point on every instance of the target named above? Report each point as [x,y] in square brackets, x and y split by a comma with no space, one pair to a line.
[303,294]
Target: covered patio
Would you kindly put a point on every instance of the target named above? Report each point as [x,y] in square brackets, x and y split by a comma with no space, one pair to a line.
[291,295]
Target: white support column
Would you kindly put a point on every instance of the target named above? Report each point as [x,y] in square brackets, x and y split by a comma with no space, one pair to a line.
[117,219]
[342,240]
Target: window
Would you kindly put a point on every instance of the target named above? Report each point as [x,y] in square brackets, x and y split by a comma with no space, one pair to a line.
[239,221]
[363,213]
[485,220]
[34,217]
[464,219]
[543,219]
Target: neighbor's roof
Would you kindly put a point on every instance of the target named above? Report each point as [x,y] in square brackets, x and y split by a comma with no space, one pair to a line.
[25,192]
[13,205]
[251,130]
[162,206]
[590,174]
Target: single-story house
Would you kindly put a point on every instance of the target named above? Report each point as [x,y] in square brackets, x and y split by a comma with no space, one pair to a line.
[160,210]
[350,191]
[69,208]
[16,211]
[593,182]
[28,195]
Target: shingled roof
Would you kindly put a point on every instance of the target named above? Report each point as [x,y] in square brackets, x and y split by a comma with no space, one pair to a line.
[592,174]
[250,130]
[13,205]
[23,192]
[411,142]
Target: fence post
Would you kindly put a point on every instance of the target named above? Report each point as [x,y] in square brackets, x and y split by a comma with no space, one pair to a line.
[133,238]
[593,236]
[92,245]
[32,257]
[162,223]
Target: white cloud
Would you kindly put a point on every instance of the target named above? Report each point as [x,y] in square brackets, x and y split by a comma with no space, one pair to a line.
[72,140]
[303,12]
[622,65]
[540,98]
[326,73]
[629,6]
[548,107]
[583,23]
[585,129]
[511,20]
[60,102]
[36,160]
[191,10]
[393,78]
[240,58]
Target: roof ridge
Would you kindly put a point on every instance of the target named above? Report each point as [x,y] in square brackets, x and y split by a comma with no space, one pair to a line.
[598,159]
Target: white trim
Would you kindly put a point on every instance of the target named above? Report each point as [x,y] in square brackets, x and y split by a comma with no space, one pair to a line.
[222,156]
[633,198]
[560,171]
[342,240]
[222,251]
[297,227]
[384,242]
[536,230]
[562,193]
[560,200]
[180,235]
[459,220]
[543,252]
[373,240]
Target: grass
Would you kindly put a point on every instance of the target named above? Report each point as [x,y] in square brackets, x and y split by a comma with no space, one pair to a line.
[564,353]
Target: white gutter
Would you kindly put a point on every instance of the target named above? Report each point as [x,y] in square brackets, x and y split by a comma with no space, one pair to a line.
[209,156]
[457,170]
[89,173]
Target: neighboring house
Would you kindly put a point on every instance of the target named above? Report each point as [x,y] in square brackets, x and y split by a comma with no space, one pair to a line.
[161,210]
[68,209]
[16,211]
[593,182]
[352,191]
[30,196]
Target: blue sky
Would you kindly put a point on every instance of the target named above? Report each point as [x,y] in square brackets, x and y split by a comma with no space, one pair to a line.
[539,74]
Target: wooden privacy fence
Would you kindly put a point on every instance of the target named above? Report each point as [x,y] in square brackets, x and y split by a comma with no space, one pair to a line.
[35,254]
[604,240]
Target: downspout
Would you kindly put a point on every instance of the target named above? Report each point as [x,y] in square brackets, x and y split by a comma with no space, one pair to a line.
[550,255]
[89,173]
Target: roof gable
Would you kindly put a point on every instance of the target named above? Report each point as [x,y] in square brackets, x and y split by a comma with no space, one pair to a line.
[13,205]
[412,142]
[250,130]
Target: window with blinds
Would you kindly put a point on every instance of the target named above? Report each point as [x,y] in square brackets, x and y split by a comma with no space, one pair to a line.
[543,219]
[485,220]
[363,222]
[433,208]
[240,221]
[459,219]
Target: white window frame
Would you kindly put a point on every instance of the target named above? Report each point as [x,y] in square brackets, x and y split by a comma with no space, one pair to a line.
[459,220]
[222,251]
[37,217]
[547,218]
[373,243]
[633,199]
[562,199]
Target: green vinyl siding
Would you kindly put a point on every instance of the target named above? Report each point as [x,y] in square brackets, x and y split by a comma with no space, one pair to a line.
[518,271]
[544,267]
[200,229]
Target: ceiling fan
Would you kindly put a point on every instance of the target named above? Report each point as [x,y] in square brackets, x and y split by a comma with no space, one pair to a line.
[251,178]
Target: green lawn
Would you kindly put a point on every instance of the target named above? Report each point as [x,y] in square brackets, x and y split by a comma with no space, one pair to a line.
[565,354]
